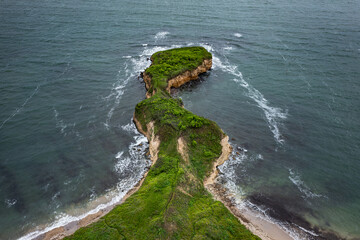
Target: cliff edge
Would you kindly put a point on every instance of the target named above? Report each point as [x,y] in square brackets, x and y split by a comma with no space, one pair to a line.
[172,202]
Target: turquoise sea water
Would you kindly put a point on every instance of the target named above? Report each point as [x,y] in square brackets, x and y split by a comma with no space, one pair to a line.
[284,87]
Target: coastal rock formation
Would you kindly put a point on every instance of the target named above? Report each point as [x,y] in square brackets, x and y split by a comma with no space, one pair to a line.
[181,78]
[172,202]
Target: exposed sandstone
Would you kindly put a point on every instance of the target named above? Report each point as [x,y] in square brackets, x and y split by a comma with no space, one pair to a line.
[180,79]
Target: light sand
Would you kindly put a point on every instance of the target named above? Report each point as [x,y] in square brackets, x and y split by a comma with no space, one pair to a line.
[264,229]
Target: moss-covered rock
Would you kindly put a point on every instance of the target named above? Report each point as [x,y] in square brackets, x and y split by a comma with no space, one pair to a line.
[172,202]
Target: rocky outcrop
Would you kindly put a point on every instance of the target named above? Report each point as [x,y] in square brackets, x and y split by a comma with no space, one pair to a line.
[225,153]
[189,75]
[180,79]
[154,141]
[172,202]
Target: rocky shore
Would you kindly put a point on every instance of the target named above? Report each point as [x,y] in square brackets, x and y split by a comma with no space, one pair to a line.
[172,200]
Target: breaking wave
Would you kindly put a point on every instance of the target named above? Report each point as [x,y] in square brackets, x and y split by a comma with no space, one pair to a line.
[161,35]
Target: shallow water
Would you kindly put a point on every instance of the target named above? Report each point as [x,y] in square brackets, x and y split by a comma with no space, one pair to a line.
[283,86]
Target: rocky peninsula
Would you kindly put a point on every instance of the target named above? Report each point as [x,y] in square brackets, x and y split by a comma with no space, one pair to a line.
[172,201]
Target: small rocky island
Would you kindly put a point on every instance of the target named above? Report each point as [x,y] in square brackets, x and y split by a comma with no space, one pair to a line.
[172,201]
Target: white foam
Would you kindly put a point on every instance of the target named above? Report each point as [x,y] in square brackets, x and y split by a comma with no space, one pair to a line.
[10,202]
[228,48]
[55,196]
[303,188]
[227,178]
[227,169]
[119,154]
[135,166]
[161,35]
[208,47]
[130,127]
[307,231]
[238,35]
[132,67]
[273,114]
[65,128]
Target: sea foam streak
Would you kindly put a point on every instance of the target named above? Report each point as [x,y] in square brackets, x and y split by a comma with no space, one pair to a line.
[303,188]
[272,114]
[21,107]
[130,170]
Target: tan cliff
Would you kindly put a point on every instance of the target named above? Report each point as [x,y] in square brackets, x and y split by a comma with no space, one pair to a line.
[180,79]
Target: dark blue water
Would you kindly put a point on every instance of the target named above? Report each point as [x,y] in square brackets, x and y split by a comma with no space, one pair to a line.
[284,86]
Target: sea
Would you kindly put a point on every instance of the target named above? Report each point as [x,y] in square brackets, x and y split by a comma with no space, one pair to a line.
[284,87]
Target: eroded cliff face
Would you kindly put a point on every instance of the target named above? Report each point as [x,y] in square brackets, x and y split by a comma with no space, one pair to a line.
[189,75]
[153,139]
[180,79]
[171,202]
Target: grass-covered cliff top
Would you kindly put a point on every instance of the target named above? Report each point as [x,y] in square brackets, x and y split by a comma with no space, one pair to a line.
[170,63]
[172,202]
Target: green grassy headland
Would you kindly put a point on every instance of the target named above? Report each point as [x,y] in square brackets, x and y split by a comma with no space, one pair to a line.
[171,63]
[172,202]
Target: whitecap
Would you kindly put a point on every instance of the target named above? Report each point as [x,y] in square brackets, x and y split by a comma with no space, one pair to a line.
[228,48]
[161,35]
[238,35]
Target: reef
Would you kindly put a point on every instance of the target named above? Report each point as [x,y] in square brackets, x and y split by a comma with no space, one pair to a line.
[172,201]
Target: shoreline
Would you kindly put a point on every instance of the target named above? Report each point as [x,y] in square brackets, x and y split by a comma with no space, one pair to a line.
[249,218]
[71,227]
[260,227]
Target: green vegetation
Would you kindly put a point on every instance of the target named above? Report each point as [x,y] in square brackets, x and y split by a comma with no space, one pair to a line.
[170,63]
[172,202]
